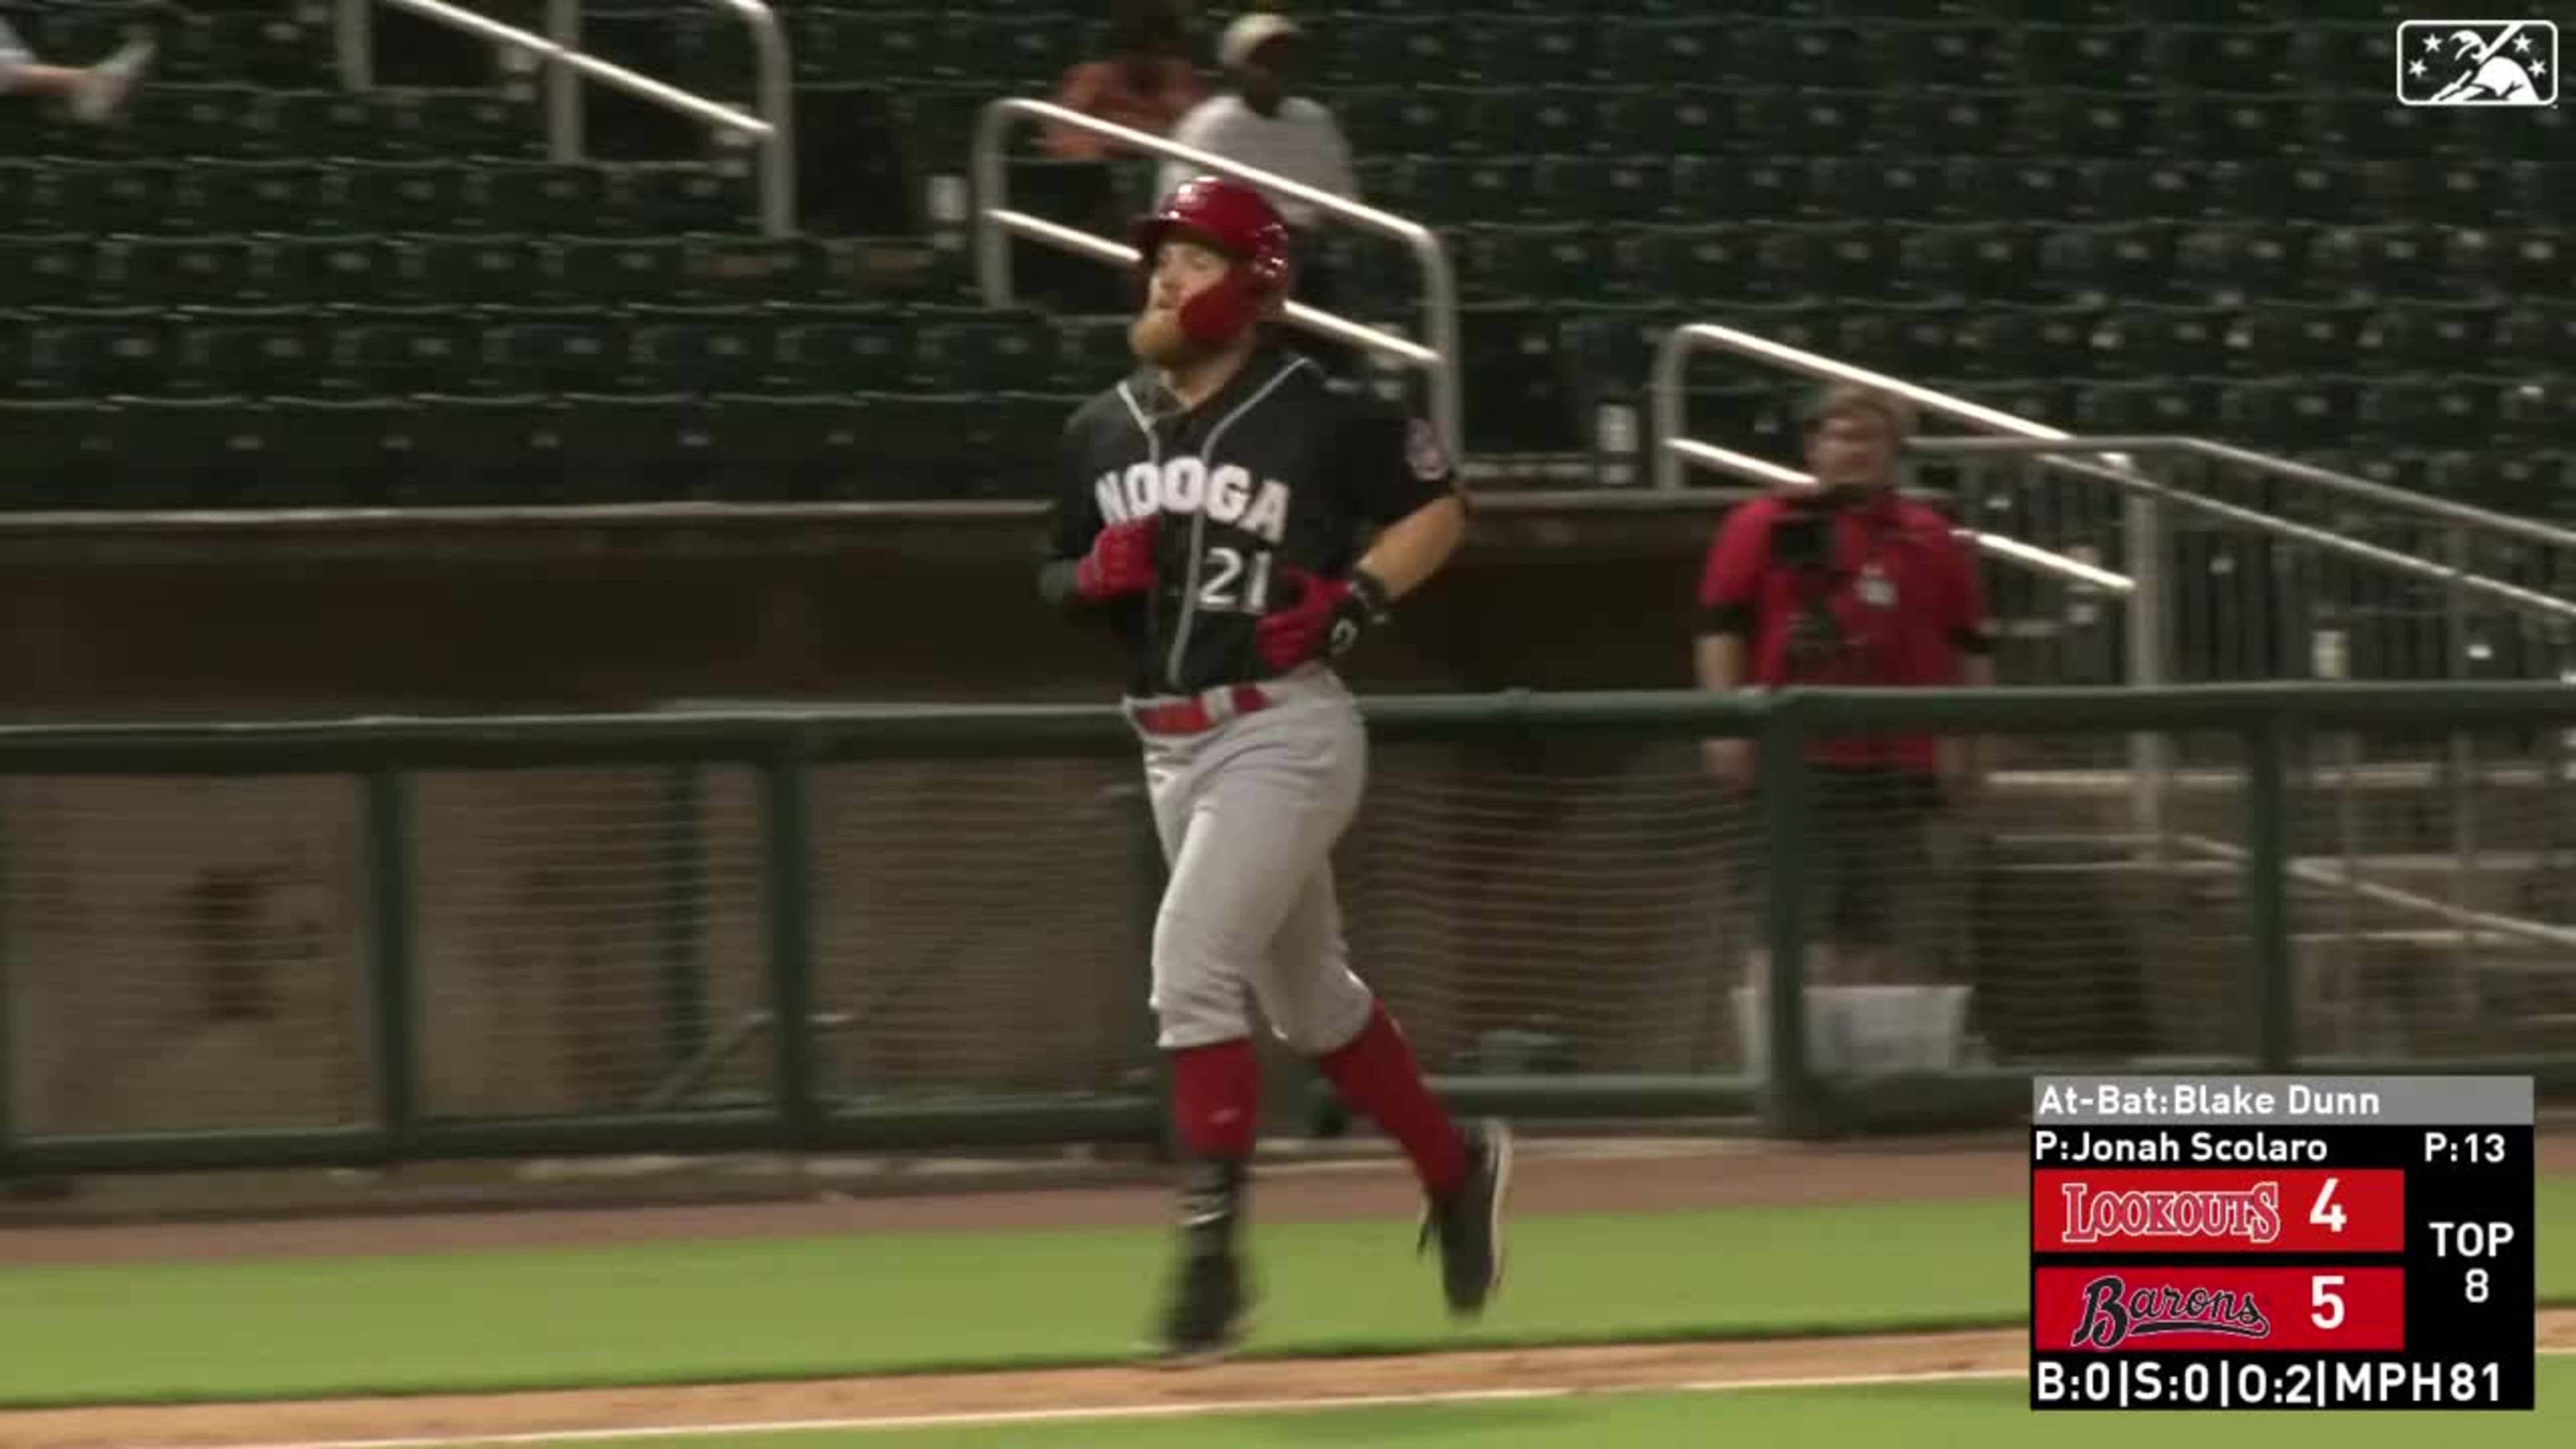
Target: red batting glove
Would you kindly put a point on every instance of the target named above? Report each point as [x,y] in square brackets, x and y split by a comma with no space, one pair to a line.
[1324,621]
[1121,561]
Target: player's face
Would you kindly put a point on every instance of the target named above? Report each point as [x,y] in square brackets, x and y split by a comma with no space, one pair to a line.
[1852,450]
[1183,268]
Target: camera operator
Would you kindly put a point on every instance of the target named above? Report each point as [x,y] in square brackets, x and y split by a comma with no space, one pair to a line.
[1848,584]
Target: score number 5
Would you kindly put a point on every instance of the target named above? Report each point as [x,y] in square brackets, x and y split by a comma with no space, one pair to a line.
[2325,1305]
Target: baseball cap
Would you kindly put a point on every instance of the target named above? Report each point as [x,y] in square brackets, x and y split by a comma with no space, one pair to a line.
[1250,32]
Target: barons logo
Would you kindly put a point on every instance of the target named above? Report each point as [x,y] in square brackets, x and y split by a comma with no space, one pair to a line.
[2253,1214]
[2113,1314]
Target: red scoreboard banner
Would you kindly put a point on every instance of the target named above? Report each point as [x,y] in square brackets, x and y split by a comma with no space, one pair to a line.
[2109,1310]
[2218,1210]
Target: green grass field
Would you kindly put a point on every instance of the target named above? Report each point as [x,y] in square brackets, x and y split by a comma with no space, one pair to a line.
[892,1303]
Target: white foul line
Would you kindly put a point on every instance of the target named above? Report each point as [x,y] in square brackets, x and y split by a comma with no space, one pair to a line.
[1004,1418]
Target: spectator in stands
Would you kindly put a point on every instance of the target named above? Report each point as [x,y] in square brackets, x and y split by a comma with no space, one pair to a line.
[92,93]
[1846,583]
[1147,83]
[1264,123]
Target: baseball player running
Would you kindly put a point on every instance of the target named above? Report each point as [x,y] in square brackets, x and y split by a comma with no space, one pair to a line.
[1208,514]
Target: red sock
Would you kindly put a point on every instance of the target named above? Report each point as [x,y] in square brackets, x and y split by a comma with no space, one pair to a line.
[1216,1091]
[1376,1073]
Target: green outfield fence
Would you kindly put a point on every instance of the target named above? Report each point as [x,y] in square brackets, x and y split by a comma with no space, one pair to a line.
[373,941]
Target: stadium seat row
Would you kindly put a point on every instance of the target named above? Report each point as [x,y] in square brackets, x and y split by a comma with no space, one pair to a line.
[345,194]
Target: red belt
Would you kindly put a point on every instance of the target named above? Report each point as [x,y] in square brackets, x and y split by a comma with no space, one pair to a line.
[1199,713]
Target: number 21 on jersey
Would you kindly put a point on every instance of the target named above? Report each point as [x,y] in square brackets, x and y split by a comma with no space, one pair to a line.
[1235,581]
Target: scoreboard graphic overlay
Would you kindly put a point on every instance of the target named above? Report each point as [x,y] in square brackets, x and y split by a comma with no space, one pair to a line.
[2281,1243]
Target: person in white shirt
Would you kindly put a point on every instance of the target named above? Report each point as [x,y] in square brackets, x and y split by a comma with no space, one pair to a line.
[92,93]
[1263,123]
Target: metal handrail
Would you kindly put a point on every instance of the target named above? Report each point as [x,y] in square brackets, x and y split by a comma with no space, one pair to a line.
[773,130]
[2325,540]
[997,223]
[1992,545]
[2401,500]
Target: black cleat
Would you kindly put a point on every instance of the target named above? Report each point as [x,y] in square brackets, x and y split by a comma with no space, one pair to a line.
[1469,1222]
[1208,1315]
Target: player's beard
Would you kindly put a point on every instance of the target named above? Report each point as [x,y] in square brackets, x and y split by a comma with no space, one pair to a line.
[1157,340]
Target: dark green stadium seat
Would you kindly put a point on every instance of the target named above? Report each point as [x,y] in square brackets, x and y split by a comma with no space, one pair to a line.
[182,271]
[1973,261]
[2164,405]
[1379,51]
[344,451]
[465,270]
[1667,53]
[2159,341]
[631,448]
[405,195]
[2382,261]
[1392,182]
[1681,121]
[2344,59]
[2290,412]
[359,267]
[557,350]
[1944,123]
[2138,190]
[2307,191]
[1454,189]
[704,349]
[475,122]
[263,196]
[608,270]
[978,350]
[1945,56]
[2284,338]
[27,194]
[2535,411]
[2540,335]
[62,270]
[2236,58]
[1881,189]
[2090,122]
[2541,193]
[1751,188]
[1837,259]
[1800,53]
[2105,261]
[1787,123]
[681,197]
[2229,126]
[536,197]
[2238,262]
[2424,410]
[2028,188]
[1510,263]
[1537,120]
[1915,341]
[787,446]
[2066,53]
[1091,353]
[1413,120]
[98,351]
[122,196]
[2025,342]
[958,445]
[61,452]
[1535,51]
[190,452]
[405,349]
[231,121]
[1692,261]
[1612,189]
[2521,262]
[848,349]
[482,450]
[275,51]
[1511,363]
[749,270]
[2426,336]
[1008,52]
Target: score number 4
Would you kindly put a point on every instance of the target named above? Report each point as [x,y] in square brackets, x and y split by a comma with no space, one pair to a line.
[2324,1303]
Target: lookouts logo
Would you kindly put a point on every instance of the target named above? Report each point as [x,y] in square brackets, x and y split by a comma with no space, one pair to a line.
[2252,1214]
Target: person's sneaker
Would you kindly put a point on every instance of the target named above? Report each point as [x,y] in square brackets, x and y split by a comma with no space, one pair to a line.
[105,87]
[1469,1222]
[1208,1314]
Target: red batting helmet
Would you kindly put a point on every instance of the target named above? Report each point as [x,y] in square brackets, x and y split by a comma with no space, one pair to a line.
[1238,221]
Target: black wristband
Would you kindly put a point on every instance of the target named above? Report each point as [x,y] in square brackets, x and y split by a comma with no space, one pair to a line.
[1370,592]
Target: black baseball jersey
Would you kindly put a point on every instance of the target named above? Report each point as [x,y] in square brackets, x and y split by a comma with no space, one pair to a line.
[1280,469]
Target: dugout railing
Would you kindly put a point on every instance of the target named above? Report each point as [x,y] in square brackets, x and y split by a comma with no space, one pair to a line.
[567,65]
[479,930]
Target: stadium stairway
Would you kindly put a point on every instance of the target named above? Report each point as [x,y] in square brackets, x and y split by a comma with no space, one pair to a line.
[2112,214]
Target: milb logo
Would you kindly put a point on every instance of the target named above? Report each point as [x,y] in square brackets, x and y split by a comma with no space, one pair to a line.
[2477,63]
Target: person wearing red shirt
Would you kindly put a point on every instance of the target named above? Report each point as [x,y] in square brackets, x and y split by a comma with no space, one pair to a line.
[1848,584]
